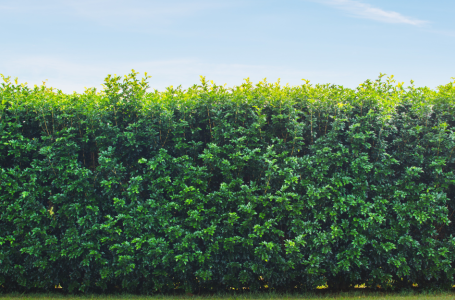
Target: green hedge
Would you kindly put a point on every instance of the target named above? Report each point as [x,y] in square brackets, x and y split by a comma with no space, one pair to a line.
[211,188]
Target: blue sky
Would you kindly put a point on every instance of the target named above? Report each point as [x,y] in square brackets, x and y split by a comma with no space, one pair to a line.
[75,44]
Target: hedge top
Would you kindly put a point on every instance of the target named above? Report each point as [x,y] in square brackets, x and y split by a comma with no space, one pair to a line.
[384,94]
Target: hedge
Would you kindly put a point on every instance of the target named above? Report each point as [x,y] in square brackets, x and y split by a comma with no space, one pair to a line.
[213,188]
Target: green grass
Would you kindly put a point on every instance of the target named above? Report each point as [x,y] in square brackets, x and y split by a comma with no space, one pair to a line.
[364,295]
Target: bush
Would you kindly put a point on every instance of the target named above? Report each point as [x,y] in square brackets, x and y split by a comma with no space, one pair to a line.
[211,188]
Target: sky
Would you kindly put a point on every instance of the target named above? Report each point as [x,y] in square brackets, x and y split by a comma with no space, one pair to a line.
[72,45]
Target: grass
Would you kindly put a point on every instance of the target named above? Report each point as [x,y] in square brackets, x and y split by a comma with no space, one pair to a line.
[352,295]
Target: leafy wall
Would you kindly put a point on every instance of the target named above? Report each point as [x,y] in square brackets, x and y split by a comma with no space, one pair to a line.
[210,188]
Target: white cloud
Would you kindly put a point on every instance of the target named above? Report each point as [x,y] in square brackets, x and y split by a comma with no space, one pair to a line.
[450,33]
[123,12]
[24,6]
[74,75]
[144,15]
[367,11]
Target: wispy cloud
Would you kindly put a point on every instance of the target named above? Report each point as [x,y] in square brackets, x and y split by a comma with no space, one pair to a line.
[450,33]
[138,11]
[119,13]
[367,11]
[74,75]
[24,6]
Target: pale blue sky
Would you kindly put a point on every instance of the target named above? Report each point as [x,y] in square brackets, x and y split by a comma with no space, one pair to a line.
[75,44]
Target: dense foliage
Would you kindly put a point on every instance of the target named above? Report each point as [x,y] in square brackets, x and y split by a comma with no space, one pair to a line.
[211,188]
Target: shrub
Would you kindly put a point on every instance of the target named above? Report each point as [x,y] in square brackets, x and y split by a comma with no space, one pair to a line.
[210,188]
